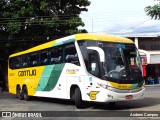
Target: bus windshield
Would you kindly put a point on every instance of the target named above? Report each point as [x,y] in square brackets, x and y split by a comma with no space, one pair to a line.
[121,60]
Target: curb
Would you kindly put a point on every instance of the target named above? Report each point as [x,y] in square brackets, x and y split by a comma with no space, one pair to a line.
[154,85]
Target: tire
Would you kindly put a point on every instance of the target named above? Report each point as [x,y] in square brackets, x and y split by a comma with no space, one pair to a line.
[112,104]
[19,93]
[78,98]
[25,94]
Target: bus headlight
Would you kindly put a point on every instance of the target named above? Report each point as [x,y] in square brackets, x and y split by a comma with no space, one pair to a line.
[105,86]
[102,85]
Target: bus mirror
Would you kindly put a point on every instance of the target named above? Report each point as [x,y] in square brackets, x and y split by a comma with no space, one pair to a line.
[100,52]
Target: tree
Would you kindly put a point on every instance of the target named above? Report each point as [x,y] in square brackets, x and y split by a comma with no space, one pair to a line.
[26,23]
[31,20]
[153,11]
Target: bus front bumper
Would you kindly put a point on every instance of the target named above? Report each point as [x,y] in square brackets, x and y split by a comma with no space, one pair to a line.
[111,96]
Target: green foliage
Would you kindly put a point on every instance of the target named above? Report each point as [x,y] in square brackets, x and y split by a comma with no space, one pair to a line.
[13,27]
[42,17]
[153,11]
[48,18]
[26,23]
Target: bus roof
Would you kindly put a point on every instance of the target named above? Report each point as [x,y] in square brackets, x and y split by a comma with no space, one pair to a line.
[77,37]
[102,37]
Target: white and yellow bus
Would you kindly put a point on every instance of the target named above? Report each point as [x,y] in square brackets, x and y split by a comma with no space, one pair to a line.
[83,67]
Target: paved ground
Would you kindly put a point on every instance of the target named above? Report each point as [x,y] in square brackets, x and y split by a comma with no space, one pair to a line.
[151,102]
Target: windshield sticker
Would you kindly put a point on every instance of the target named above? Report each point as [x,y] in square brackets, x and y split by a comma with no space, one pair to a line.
[123,46]
[90,79]
[93,66]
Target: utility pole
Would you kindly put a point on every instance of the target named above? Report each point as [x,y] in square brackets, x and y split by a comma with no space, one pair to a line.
[92,25]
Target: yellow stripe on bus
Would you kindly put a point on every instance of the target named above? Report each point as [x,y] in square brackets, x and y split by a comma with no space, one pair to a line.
[121,86]
[39,47]
[103,37]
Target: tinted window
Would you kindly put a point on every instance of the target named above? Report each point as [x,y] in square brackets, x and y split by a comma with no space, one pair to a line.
[24,61]
[71,55]
[17,62]
[33,59]
[44,57]
[56,55]
[93,66]
[12,63]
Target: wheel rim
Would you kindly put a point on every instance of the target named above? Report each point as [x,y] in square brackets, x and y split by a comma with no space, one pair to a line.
[25,94]
[18,93]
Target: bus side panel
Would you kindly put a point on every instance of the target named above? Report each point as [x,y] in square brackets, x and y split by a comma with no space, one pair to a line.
[52,83]
[75,77]
[70,75]
[27,76]
[11,85]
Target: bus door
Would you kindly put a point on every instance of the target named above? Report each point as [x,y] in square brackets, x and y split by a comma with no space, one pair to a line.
[93,68]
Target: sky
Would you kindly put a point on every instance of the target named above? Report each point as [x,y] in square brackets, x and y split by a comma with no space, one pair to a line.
[122,17]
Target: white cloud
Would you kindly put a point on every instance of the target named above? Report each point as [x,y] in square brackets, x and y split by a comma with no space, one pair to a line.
[115,16]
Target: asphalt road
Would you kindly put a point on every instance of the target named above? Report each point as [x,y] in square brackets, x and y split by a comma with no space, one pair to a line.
[151,102]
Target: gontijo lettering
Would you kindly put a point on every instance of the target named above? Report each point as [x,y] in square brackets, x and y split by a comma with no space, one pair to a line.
[27,73]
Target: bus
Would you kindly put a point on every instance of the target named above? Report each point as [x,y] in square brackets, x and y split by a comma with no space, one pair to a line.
[81,67]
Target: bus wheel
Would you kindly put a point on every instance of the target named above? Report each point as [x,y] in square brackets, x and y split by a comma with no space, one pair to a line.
[78,98]
[112,103]
[19,93]
[25,93]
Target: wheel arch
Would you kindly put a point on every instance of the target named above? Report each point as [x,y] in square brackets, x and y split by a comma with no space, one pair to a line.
[18,85]
[23,86]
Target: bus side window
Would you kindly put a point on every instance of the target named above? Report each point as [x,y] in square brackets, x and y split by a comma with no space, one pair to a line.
[33,59]
[17,62]
[44,57]
[12,63]
[24,61]
[71,55]
[56,55]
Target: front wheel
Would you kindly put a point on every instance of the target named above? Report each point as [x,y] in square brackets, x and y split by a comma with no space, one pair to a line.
[78,98]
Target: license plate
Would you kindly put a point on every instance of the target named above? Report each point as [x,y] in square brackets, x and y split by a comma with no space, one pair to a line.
[129,96]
